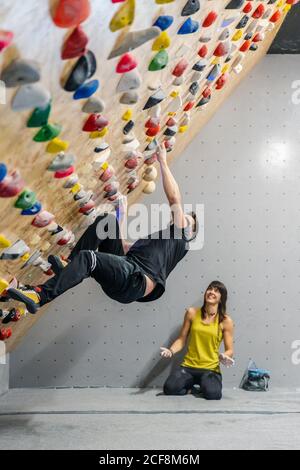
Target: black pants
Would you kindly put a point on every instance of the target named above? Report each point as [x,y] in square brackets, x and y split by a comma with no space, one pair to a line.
[183,379]
[102,259]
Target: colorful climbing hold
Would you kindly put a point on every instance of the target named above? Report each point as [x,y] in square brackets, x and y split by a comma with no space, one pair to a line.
[95,122]
[39,117]
[26,199]
[190,8]
[11,185]
[70,13]
[75,45]
[126,64]
[189,27]
[6,38]
[35,209]
[30,96]
[159,61]
[163,22]
[86,90]
[20,72]
[84,69]
[124,16]
[48,132]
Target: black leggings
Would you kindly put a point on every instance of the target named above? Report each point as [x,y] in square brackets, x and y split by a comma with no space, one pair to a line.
[183,379]
[102,259]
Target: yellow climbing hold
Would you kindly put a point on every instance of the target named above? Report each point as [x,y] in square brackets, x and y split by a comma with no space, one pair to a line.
[127,115]
[104,166]
[124,16]
[163,41]
[225,68]
[174,94]
[287,8]
[238,35]
[25,257]
[216,61]
[57,145]
[280,4]
[161,2]
[183,129]
[171,114]
[76,188]
[4,242]
[99,134]
[3,285]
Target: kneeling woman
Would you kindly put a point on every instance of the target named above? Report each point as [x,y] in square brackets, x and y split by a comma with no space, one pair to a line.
[206,328]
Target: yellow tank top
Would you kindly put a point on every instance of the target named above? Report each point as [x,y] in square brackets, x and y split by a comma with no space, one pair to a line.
[204,344]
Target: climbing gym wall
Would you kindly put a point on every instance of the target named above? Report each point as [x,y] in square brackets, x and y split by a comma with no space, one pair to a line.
[89,89]
[246,172]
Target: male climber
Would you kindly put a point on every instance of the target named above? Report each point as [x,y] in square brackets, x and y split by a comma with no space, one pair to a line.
[126,272]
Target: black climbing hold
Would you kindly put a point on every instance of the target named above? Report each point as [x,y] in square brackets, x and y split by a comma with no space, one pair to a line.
[129,126]
[235,4]
[194,88]
[243,22]
[84,68]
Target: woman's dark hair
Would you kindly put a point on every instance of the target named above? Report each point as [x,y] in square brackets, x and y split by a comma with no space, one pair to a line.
[222,304]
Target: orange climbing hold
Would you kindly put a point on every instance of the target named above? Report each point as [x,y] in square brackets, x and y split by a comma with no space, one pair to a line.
[70,13]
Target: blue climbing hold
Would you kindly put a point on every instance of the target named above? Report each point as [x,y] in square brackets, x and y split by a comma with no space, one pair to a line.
[189,27]
[164,22]
[86,90]
[3,171]
[35,209]
[214,73]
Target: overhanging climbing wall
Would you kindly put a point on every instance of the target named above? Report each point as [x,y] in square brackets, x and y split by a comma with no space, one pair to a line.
[91,89]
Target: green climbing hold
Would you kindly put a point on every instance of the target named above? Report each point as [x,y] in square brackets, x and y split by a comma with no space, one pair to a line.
[159,61]
[48,132]
[40,116]
[26,200]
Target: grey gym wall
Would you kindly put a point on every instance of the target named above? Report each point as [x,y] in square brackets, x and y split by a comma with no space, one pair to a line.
[245,168]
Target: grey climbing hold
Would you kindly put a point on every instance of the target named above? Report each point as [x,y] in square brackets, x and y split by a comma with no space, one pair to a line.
[93,106]
[20,72]
[135,39]
[129,81]
[131,97]
[15,251]
[191,7]
[62,162]
[30,96]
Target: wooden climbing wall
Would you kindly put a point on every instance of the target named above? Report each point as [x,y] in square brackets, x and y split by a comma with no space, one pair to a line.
[37,38]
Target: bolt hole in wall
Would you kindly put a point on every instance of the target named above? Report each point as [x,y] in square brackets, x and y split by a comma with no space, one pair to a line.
[251,196]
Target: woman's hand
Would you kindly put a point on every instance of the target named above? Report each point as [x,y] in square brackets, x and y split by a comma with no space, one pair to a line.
[165,352]
[226,360]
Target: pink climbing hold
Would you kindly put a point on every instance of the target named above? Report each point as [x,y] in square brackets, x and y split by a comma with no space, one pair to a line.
[87,207]
[43,219]
[6,38]
[126,64]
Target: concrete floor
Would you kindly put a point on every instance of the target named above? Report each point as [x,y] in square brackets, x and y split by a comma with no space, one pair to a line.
[108,419]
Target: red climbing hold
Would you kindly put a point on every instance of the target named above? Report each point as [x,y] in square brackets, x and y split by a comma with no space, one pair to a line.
[189,106]
[153,131]
[210,19]
[75,45]
[275,17]
[126,64]
[70,13]
[11,185]
[221,81]
[246,46]
[222,49]
[152,122]
[64,173]
[180,68]
[171,122]
[207,92]
[203,51]
[248,7]
[260,10]
[5,333]
[96,122]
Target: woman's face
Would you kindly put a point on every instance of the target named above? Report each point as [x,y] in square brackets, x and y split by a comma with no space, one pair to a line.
[212,296]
